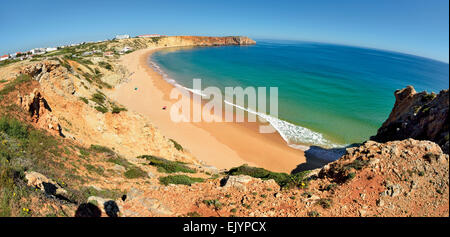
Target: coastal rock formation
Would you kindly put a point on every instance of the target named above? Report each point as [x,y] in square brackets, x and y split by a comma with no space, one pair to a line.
[48,72]
[398,178]
[407,177]
[208,41]
[420,116]
[39,110]
[181,41]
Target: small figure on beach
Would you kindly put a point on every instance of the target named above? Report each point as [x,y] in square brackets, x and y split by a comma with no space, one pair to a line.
[164,107]
[135,88]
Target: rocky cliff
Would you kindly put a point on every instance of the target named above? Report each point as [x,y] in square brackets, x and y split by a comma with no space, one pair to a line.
[83,152]
[420,116]
[206,41]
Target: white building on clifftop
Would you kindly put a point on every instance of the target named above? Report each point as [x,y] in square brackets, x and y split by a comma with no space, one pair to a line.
[119,37]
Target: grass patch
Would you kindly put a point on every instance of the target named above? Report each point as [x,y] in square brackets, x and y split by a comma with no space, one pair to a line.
[101,149]
[107,194]
[283,179]
[23,148]
[167,166]
[91,168]
[9,61]
[11,86]
[13,128]
[179,179]
[135,172]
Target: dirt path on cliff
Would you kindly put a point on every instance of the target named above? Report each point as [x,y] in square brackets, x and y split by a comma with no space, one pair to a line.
[223,145]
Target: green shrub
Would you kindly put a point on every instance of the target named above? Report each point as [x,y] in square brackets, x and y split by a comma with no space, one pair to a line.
[167,166]
[193,214]
[177,145]
[283,179]
[357,164]
[331,187]
[313,214]
[324,203]
[429,97]
[105,65]
[215,203]
[119,161]
[135,172]
[351,176]
[86,101]
[98,98]
[13,128]
[155,39]
[101,109]
[179,179]
[116,110]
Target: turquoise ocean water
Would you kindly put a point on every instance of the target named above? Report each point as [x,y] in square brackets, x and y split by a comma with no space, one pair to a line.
[328,94]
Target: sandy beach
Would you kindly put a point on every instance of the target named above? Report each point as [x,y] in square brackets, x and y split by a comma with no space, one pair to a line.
[223,145]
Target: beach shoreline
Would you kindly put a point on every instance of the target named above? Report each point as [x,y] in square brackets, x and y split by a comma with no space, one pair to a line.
[223,145]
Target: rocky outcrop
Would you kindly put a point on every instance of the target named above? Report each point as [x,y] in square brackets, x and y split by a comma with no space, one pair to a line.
[49,72]
[39,110]
[420,116]
[38,180]
[397,178]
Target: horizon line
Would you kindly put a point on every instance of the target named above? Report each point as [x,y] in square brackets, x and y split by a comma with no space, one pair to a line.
[295,40]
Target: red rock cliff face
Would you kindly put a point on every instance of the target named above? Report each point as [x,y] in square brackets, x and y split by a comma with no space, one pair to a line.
[211,41]
[205,41]
[420,116]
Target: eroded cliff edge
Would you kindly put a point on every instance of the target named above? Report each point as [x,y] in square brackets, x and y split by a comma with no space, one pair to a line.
[60,127]
[422,116]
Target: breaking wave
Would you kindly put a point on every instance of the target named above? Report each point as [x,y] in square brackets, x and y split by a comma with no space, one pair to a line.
[296,136]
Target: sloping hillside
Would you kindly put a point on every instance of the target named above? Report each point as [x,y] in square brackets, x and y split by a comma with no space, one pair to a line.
[67,149]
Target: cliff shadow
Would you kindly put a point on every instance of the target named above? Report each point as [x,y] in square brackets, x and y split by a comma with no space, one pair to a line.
[317,157]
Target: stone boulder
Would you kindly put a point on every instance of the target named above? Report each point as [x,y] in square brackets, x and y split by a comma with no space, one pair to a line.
[38,180]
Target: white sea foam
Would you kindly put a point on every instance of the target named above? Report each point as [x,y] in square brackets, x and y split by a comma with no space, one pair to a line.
[294,135]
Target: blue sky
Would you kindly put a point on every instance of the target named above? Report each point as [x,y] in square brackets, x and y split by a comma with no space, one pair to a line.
[418,27]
